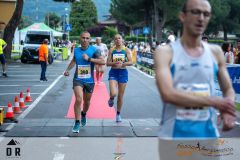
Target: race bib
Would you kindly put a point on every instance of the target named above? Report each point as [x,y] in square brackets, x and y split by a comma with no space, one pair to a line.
[118,57]
[84,71]
[194,114]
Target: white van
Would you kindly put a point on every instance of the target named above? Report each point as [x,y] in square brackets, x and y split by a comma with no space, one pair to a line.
[33,40]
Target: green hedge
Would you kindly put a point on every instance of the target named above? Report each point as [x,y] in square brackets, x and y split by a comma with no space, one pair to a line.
[136,39]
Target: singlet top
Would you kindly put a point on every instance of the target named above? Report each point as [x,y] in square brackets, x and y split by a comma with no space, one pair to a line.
[84,69]
[103,49]
[231,57]
[194,76]
[119,56]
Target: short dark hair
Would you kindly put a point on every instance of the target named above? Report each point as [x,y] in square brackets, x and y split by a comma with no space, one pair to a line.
[225,46]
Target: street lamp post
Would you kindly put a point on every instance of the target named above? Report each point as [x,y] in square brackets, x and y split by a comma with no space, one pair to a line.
[67,20]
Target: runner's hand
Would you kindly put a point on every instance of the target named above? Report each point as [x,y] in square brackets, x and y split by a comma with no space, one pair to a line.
[225,105]
[118,64]
[66,73]
[228,121]
[85,57]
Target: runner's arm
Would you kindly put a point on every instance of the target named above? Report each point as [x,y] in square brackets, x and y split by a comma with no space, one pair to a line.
[97,58]
[70,66]
[129,57]
[162,58]
[109,59]
[223,76]
[226,87]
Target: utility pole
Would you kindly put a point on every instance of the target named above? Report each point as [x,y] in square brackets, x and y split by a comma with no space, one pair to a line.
[48,18]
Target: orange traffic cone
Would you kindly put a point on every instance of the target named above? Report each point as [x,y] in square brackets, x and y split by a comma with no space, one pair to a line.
[9,114]
[21,102]
[28,97]
[16,108]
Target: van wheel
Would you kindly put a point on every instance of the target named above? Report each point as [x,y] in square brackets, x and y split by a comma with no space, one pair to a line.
[23,59]
[50,59]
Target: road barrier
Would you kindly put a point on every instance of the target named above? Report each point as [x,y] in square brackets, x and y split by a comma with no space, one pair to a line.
[17,109]
[145,62]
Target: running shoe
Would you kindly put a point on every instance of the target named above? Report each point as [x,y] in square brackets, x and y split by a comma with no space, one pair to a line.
[4,75]
[118,118]
[111,102]
[83,120]
[76,127]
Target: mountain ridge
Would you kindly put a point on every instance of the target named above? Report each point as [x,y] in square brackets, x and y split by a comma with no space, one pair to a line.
[36,9]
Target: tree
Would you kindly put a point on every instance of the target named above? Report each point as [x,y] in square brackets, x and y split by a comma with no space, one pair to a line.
[108,34]
[11,27]
[52,20]
[225,17]
[82,16]
[24,22]
[155,13]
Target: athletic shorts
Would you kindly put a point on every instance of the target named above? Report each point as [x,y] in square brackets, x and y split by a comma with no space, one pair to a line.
[2,59]
[87,87]
[119,75]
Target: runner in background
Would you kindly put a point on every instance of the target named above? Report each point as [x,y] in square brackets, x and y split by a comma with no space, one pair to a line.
[119,57]
[104,52]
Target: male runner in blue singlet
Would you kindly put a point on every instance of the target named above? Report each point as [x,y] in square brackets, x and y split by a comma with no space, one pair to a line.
[83,82]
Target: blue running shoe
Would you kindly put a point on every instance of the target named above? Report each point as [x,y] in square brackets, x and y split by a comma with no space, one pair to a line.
[76,127]
[83,120]
[111,102]
[118,118]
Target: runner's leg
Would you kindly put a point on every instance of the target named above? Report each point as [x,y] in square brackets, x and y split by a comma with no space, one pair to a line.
[78,92]
[77,108]
[113,92]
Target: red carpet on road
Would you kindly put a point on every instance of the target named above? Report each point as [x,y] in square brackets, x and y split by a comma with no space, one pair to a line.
[99,108]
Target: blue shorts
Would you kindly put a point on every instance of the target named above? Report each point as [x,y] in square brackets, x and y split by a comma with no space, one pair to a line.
[2,59]
[119,75]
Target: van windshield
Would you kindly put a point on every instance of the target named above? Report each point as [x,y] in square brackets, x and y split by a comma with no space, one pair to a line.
[36,38]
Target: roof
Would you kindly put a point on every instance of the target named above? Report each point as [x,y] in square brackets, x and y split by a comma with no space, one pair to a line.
[41,26]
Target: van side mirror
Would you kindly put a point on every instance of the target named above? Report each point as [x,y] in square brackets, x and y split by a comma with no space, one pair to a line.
[21,42]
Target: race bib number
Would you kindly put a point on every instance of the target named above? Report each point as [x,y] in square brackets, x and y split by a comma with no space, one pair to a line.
[84,71]
[194,114]
[118,58]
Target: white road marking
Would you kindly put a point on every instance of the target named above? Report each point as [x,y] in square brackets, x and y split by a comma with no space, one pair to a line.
[142,72]
[58,156]
[39,98]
